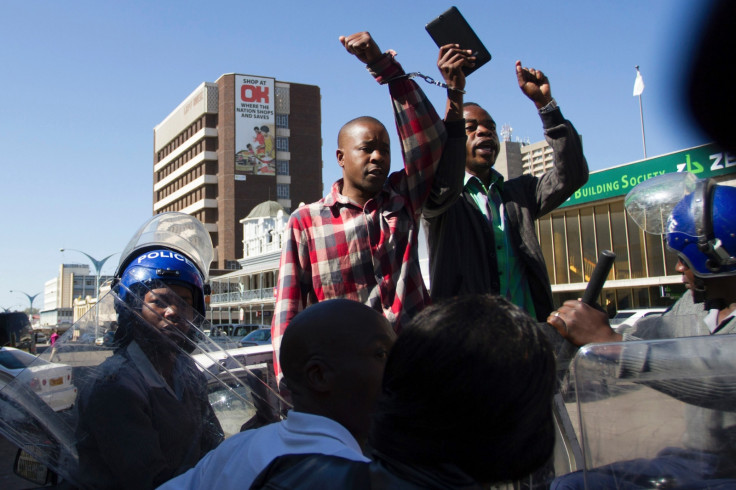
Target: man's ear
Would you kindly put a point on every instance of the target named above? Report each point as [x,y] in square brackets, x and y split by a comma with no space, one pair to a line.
[340,156]
[318,375]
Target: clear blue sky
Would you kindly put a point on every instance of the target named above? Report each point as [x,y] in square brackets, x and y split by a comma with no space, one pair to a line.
[85,82]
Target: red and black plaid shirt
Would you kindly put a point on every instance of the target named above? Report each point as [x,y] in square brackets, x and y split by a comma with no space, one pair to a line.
[335,248]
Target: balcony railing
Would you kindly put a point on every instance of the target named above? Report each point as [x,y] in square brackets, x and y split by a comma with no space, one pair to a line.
[251,295]
[261,247]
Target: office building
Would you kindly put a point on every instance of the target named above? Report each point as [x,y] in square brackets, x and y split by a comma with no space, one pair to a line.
[520,157]
[233,144]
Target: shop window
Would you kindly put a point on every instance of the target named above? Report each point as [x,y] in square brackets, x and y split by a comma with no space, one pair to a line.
[574,250]
[636,249]
[587,234]
[618,237]
[560,244]
[545,240]
[655,254]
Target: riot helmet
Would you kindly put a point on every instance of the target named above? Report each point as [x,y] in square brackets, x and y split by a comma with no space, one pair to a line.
[170,249]
[161,266]
[702,230]
[696,215]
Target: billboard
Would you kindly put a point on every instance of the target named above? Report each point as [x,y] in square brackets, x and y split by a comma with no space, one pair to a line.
[703,161]
[255,127]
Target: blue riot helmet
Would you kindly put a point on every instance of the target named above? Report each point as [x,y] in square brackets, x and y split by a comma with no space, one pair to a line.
[702,230]
[169,249]
[696,215]
[162,266]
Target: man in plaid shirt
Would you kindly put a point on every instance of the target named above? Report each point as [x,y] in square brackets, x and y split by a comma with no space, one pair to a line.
[360,241]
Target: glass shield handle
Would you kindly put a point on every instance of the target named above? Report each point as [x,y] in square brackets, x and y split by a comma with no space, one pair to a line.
[602,268]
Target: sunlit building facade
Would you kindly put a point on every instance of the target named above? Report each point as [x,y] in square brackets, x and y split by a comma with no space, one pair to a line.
[247,295]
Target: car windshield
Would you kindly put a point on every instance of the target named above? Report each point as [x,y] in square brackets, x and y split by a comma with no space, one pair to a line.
[11,361]
[263,334]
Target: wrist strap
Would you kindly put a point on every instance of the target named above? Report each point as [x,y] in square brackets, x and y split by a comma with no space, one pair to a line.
[551,106]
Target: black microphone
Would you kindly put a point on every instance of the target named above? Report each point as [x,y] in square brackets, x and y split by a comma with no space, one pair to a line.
[602,268]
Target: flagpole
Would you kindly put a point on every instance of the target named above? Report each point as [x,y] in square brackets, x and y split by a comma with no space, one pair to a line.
[641,116]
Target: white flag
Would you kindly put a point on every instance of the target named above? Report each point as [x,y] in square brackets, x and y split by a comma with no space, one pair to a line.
[638,84]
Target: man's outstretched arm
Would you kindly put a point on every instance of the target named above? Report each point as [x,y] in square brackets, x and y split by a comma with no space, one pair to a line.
[450,175]
[421,130]
[570,170]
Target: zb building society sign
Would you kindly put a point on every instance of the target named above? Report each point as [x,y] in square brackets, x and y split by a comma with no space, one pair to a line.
[703,161]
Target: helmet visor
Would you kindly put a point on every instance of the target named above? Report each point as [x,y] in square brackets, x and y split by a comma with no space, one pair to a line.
[175,231]
[650,203]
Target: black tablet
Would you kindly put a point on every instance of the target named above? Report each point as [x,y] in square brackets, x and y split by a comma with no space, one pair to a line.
[451,27]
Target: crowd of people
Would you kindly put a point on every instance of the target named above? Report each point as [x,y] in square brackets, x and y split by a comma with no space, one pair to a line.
[393,385]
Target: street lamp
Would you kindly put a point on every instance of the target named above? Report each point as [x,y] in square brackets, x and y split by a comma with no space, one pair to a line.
[30,298]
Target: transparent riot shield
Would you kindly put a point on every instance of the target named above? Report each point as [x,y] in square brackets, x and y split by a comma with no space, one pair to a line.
[135,392]
[656,414]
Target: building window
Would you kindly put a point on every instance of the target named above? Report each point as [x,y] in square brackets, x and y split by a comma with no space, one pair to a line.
[282,120]
[282,144]
[232,265]
[282,167]
[282,191]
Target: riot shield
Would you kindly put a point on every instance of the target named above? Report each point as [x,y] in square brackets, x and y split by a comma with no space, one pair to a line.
[135,391]
[656,414]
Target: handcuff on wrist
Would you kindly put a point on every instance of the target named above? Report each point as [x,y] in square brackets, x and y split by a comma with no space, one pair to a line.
[426,78]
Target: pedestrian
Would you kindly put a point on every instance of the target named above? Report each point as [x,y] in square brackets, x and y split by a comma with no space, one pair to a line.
[52,341]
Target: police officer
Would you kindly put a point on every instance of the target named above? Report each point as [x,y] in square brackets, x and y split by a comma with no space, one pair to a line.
[145,417]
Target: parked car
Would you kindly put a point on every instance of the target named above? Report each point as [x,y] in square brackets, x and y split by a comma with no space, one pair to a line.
[51,381]
[242,329]
[625,319]
[257,337]
[227,335]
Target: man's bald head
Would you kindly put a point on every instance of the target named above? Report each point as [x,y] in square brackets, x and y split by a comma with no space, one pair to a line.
[345,129]
[332,356]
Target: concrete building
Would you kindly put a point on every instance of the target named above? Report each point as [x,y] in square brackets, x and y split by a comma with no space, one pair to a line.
[233,144]
[522,157]
[73,282]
